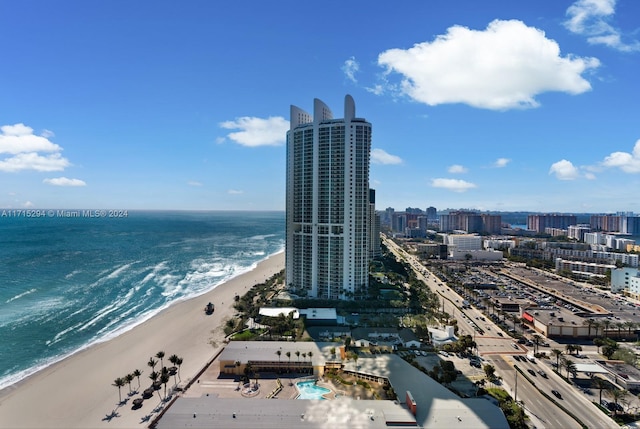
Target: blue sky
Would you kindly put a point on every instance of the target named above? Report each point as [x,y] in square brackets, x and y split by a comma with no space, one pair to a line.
[527,105]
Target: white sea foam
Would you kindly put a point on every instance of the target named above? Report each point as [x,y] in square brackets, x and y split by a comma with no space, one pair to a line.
[72,273]
[114,274]
[20,295]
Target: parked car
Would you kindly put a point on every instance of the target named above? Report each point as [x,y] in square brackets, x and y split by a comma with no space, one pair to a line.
[556,394]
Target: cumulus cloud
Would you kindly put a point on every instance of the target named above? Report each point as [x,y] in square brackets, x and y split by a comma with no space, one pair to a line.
[379,156]
[63,181]
[27,151]
[564,170]
[455,169]
[350,68]
[627,162]
[502,67]
[454,185]
[501,162]
[592,18]
[235,192]
[194,183]
[33,161]
[256,132]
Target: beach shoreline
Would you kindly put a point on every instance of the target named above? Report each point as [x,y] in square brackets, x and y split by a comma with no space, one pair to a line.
[77,392]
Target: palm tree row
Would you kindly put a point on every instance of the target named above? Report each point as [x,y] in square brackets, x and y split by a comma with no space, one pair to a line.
[606,324]
[297,353]
[127,379]
[157,377]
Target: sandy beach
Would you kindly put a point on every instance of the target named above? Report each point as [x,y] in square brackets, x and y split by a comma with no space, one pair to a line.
[78,392]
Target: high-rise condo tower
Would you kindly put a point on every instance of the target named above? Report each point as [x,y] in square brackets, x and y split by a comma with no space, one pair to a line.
[327,247]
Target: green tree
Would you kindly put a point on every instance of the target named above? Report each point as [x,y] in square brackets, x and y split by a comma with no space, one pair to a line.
[288,354]
[298,355]
[279,353]
[489,371]
[609,348]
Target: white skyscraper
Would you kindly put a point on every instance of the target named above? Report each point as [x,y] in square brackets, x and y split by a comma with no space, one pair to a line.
[327,248]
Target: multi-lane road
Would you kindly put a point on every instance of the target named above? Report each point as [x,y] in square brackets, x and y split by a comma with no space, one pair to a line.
[499,349]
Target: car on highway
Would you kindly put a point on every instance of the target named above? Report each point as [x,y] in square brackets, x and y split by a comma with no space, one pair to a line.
[542,373]
[532,372]
[556,394]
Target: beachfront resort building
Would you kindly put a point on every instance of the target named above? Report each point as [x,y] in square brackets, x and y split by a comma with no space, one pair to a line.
[327,204]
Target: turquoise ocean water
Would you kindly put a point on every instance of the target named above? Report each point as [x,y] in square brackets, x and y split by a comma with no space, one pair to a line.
[69,282]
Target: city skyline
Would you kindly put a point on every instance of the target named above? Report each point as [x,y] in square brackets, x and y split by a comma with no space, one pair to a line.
[509,107]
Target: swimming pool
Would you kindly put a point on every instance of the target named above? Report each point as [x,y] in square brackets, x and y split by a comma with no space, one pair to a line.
[309,390]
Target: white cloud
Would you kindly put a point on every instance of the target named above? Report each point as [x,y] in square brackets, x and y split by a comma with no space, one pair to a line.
[502,67]
[564,170]
[591,18]
[63,181]
[455,169]
[501,162]
[47,134]
[194,183]
[257,131]
[28,204]
[350,68]
[454,185]
[33,161]
[379,156]
[627,162]
[235,192]
[19,138]
[23,148]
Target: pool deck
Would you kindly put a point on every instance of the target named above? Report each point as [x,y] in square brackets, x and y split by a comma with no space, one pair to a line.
[211,383]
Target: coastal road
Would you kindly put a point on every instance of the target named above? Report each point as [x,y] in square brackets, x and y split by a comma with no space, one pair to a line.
[495,349]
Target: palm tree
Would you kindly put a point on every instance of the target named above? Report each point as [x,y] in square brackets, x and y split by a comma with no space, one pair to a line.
[179,363]
[570,366]
[129,378]
[279,353]
[536,341]
[598,342]
[298,355]
[137,373]
[164,379]
[289,356]
[589,323]
[174,359]
[617,395]
[569,348]
[119,382]
[619,325]
[606,323]
[310,354]
[597,325]
[160,355]
[599,384]
[304,356]
[152,363]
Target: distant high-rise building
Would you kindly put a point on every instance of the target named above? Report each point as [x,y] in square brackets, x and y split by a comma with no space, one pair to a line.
[539,222]
[432,213]
[374,227]
[327,212]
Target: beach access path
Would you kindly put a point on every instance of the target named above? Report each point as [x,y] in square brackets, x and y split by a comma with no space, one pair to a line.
[77,392]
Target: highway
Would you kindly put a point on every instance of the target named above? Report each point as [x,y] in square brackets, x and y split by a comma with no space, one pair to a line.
[498,348]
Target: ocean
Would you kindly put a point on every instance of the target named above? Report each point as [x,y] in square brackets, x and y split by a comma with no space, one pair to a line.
[72,279]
